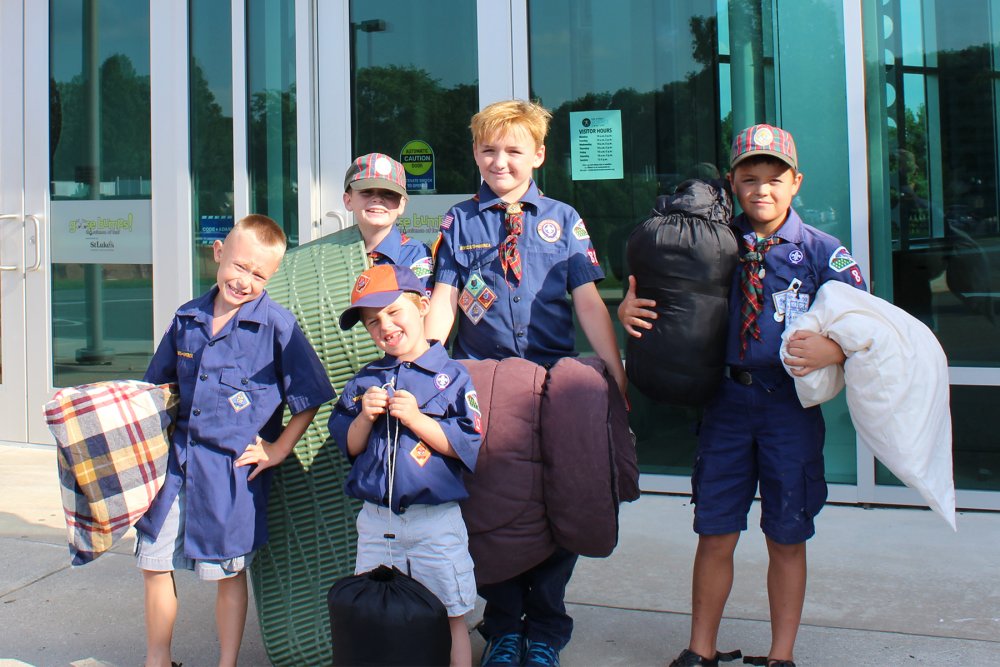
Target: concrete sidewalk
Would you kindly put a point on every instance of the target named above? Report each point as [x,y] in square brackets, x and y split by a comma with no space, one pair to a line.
[886,587]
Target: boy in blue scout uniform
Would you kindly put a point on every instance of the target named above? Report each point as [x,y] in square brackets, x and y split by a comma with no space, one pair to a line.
[410,423]
[755,430]
[375,191]
[507,259]
[238,358]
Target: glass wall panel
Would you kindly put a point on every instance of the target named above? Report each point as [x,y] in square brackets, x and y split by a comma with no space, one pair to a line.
[100,190]
[271,114]
[415,80]
[682,75]
[933,118]
[211,97]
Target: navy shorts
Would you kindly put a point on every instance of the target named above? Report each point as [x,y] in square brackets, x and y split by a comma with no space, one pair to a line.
[759,435]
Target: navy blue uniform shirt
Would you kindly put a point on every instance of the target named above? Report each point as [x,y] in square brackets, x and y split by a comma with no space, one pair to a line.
[533,319]
[399,249]
[443,390]
[233,386]
[805,259]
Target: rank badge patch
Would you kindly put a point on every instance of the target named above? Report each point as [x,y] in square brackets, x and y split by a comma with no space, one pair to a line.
[421,454]
[239,401]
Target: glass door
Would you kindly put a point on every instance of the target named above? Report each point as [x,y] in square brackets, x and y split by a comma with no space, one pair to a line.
[405,79]
[13,425]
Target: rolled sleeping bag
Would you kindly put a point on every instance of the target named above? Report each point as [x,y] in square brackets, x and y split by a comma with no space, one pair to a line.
[683,257]
[385,617]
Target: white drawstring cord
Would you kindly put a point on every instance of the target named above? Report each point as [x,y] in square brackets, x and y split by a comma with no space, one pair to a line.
[392,448]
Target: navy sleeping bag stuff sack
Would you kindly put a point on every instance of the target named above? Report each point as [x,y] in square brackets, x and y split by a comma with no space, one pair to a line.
[683,257]
[385,617]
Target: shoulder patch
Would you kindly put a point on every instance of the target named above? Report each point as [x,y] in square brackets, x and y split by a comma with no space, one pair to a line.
[580,231]
[423,268]
[841,260]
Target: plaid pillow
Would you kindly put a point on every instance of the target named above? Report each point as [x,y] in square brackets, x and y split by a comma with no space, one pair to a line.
[113,438]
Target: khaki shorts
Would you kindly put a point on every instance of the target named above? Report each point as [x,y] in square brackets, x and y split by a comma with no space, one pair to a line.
[431,544]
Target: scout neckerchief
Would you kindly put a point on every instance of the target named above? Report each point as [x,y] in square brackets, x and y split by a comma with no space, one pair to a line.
[752,286]
[510,257]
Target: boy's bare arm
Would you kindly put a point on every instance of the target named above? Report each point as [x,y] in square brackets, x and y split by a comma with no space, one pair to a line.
[444,305]
[403,406]
[596,323]
[633,313]
[809,351]
[269,454]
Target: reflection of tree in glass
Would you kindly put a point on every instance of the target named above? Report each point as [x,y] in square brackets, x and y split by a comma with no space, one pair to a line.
[270,109]
[124,126]
[393,105]
[211,149]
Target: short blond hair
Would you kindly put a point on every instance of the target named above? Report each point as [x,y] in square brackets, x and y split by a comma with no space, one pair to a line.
[266,230]
[501,117]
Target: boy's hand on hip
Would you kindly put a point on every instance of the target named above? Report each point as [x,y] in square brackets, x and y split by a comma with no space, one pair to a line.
[257,454]
[633,312]
[809,351]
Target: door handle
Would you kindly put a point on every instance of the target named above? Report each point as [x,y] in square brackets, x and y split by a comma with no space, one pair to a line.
[35,240]
[340,217]
[9,216]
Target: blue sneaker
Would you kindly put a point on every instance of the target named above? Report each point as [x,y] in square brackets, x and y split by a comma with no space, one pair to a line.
[540,654]
[503,650]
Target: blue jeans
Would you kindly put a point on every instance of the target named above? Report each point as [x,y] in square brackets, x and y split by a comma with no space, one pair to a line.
[532,603]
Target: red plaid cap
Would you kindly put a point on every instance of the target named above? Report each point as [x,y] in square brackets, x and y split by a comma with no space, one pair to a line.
[376,170]
[764,139]
[377,288]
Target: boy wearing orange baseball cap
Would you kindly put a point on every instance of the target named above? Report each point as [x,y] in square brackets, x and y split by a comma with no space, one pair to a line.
[409,423]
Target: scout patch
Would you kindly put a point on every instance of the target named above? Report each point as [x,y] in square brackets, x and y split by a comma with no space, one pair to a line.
[446,221]
[592,254]
[362,283]
[186,355]
[441,381]
[763,137]
[239,401]
[476,298]
[841,260]
[549,230]
[421,454]
[795,257]
[422,268]
[580,231]
[472,400]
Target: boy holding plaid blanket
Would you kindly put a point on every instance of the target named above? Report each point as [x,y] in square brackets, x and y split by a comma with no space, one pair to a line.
[238,359]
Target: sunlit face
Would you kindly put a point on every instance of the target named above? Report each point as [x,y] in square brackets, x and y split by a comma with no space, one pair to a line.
[245,266]
[506,161]
[398,329]
[375,208]
[765,191]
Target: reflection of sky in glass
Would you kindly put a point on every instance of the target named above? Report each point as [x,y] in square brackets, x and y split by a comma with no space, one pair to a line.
[413,37]
[644,46]
[123,27]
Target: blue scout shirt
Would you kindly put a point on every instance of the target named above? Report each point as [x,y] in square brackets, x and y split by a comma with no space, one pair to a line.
[532,319]
[793,271]
[444,391]
[233,386]
[399,249]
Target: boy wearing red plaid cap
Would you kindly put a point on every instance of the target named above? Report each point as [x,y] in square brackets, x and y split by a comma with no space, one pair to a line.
[375,191]
[409,424]
[755,432]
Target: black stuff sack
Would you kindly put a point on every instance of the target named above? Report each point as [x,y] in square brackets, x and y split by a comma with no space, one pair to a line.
[683,257]
[385,617]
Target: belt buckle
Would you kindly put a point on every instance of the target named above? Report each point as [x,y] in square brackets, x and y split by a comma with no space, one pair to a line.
[743,377]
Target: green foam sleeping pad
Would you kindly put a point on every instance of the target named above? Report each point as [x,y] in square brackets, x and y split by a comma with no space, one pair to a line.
[313,540]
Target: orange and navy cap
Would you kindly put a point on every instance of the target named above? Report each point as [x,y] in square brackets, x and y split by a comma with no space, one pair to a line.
[375,170]
[377,288]
[764,139]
